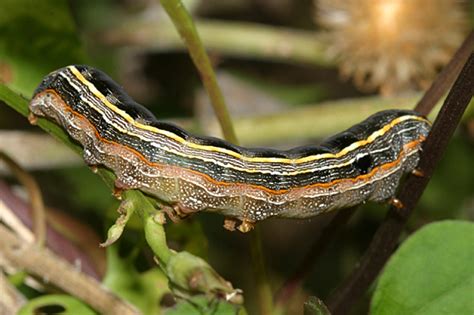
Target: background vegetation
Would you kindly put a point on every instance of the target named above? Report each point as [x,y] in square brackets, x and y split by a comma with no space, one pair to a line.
[279,66]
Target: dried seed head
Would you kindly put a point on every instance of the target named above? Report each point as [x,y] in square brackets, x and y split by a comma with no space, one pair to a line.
[393,45]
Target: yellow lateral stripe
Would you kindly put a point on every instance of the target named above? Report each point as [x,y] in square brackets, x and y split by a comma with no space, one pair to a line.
[210,148]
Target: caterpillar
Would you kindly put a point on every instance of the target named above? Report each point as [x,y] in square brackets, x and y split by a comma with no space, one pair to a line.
[194,173]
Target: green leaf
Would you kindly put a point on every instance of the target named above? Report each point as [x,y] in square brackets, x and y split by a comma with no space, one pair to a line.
[57,304]
[200,305]
[431,273]
[125,211]
[36,37]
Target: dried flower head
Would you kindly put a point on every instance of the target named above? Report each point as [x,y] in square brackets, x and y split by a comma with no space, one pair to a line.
[396,45]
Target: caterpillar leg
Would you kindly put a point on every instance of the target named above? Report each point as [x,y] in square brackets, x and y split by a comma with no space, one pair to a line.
[94,168]
[230,224]
[171,213]
[396,203]
[178,212]
[32,118]
[246,226]
[117,193]
[183,210]
[418,173]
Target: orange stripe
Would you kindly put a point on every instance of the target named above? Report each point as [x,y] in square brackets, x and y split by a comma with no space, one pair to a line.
[365,177]
[78,75]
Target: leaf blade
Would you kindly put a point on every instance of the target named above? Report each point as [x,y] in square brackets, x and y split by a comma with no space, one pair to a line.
[431,273]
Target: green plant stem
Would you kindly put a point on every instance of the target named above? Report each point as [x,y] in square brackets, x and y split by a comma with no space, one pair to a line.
[156,238]
[264,293]
[20,104]
[241,39]
[185,26]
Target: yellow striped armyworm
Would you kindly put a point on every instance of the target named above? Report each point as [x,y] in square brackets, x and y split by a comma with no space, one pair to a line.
[194,173]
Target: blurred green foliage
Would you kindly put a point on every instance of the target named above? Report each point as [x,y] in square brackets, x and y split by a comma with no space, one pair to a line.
[37,37]
[142,289]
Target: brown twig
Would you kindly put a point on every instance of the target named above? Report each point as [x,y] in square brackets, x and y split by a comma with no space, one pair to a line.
[424,106]
[36,199]
[387,235]
[46,265]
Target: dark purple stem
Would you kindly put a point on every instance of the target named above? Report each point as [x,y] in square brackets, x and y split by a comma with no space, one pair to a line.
[387,235]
